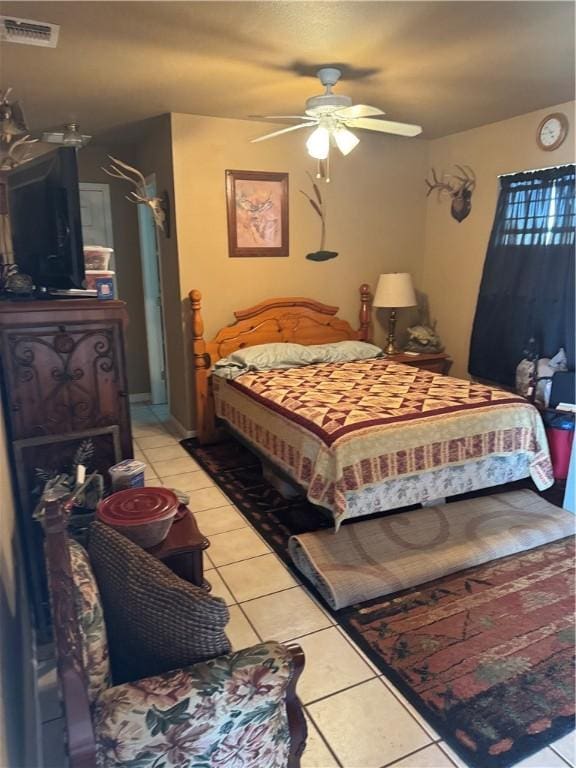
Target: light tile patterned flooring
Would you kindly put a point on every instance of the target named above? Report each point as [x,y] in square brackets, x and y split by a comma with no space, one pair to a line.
[356,718]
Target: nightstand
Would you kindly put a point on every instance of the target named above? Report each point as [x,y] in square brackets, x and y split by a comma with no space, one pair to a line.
[437,362]
[182,550]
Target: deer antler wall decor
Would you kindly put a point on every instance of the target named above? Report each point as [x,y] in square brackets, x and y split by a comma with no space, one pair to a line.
[12,122]
[9,160]
[13,133]
[159,206]
[458,186]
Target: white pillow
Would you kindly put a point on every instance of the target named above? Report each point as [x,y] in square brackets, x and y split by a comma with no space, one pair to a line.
[279,355]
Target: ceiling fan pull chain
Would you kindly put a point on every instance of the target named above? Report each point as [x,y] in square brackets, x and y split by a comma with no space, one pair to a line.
[323,169]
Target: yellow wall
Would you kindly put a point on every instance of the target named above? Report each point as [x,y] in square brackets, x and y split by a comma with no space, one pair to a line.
[127,255]
[454,252]
[375,218]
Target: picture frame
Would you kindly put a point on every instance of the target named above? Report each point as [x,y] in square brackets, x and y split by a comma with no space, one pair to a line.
[55,453]
[257,210]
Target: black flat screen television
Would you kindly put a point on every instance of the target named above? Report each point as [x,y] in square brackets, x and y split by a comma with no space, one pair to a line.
[44,205]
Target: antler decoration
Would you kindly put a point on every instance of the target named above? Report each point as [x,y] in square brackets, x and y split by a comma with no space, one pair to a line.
[12,122]
[459,187]
[158,205]
[12,128]
[14,141]
[9,159]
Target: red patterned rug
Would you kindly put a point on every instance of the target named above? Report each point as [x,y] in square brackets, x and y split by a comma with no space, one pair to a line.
[485,655]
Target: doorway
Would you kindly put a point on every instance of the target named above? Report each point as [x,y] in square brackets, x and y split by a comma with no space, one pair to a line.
[153,310]
[96,215]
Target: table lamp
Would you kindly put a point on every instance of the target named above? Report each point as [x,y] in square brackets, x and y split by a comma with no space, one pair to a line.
[394,291]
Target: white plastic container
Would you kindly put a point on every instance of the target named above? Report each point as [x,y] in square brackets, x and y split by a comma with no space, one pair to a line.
[97,257]
[92,275]
[127,474]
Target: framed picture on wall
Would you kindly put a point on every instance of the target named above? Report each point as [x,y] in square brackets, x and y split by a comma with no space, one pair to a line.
[257,206]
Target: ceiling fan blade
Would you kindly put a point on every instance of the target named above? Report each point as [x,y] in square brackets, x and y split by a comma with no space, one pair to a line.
[384,126]
[279,117]
[358,110]
[284,130]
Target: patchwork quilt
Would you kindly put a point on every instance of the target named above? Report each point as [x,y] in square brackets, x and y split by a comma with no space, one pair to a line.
[345,427]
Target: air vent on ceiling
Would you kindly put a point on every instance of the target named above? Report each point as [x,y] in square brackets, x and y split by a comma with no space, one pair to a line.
[29,32]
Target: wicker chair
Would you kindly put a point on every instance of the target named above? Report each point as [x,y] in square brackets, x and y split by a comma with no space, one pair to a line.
[241,704]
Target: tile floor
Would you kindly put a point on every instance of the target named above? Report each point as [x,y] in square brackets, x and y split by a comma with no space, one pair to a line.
[356,718]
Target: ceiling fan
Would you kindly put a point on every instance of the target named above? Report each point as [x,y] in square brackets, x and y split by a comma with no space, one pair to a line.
[332,115]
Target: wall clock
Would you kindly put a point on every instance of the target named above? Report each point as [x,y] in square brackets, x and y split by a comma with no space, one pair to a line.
[552,131]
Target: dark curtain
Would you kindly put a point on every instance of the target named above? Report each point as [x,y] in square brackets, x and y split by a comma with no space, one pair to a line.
[528,282]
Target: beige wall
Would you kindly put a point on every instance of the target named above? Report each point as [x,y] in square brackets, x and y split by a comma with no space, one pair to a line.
[375,220]
[127,255]
[154,155]
[16,702]
[454,253]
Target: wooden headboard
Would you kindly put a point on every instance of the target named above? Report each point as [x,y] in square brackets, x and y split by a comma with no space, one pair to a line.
[292,319]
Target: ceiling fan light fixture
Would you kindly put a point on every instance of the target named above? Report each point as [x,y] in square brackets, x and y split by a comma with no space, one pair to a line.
[318,143]
[345,140]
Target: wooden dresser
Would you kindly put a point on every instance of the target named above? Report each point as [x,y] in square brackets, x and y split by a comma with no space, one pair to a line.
[63,383]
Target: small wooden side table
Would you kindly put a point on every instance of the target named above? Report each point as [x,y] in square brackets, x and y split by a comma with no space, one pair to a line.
[437,362]
[182,550]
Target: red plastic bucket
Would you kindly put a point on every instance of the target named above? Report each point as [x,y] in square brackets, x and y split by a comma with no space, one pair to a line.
[143,515]
[560,444]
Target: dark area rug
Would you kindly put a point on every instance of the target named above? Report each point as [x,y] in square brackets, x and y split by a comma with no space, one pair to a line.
[486,655]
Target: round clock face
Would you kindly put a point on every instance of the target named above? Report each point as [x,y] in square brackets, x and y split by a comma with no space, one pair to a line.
[552,131]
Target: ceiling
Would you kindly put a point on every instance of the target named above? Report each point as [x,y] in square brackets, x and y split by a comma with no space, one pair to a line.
[448,66]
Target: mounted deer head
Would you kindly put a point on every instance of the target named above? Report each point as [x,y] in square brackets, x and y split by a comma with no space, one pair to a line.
[158,205]
[459,187]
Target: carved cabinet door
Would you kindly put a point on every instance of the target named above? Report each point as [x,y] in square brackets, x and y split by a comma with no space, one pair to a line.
[63,383]
[63,378]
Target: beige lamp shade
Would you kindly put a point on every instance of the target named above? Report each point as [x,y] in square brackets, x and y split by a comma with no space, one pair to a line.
[395,290]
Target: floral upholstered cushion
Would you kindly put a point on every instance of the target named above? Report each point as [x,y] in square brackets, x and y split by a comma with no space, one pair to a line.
[91,622]
[229,712]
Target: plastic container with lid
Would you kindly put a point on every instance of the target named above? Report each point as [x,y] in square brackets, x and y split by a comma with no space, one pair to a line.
[127,474]
[97,257]
[143,515]
[93,275]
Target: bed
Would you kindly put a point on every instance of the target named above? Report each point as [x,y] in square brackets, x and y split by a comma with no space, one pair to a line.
[361,436]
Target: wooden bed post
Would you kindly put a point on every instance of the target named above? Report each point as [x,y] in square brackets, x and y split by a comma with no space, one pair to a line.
[203,400]
[365,332]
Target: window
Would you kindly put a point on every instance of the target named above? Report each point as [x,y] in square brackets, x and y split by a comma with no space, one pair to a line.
[537,210]
[527,287]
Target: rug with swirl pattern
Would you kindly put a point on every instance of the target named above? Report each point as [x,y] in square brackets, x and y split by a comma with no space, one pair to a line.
[486,655]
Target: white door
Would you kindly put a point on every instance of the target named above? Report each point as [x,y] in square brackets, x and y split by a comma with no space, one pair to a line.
[149,254]
[96,215]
